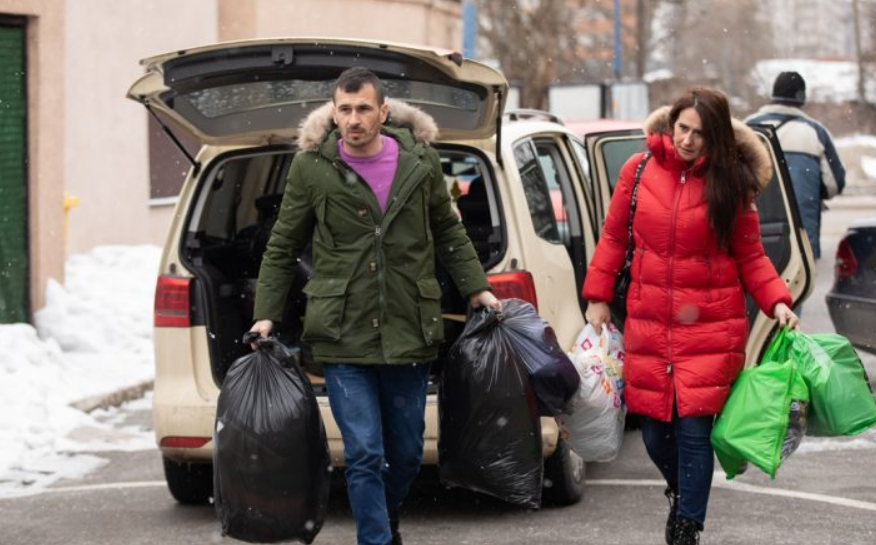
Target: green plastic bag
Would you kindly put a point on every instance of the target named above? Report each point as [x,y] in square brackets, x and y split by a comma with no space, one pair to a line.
[842,401]
[754,421]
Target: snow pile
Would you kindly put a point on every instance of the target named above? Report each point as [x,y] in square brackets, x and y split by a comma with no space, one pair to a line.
[95,336]
[858,154]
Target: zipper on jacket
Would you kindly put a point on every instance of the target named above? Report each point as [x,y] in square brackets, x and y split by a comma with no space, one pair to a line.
[677,198]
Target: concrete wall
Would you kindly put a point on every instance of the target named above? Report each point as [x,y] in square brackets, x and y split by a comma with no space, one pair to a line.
[106,154]
[45,139]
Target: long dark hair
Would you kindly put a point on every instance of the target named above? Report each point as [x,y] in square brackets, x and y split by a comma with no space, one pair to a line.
[730,181]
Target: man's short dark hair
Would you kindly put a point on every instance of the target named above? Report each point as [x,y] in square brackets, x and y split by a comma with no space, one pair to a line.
[351,80]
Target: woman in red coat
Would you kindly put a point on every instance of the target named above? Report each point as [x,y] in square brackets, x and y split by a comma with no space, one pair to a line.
[697,244]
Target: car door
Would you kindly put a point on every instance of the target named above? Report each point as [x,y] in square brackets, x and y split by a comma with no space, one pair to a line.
[552,231]
[782,234]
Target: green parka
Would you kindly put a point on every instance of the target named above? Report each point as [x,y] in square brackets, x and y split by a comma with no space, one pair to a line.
[372,295]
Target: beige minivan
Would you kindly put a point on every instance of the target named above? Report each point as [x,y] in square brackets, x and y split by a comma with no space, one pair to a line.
[531,194]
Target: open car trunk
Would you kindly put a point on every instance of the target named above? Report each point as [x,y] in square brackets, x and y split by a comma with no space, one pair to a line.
[228,226]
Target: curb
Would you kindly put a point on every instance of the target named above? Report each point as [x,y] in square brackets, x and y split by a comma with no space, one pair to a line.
[113,399]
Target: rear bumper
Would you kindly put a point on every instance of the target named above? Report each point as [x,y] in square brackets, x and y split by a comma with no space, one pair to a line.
[855,318]
[197,421]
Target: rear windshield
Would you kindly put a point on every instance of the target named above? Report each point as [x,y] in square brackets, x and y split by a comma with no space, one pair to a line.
[241,97]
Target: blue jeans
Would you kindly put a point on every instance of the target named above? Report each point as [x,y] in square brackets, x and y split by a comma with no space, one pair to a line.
[380,410]
[682,450]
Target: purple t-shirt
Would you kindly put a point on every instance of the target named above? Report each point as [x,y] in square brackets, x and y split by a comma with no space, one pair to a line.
[378,170]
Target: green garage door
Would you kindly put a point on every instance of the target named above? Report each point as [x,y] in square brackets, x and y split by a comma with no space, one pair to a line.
[13,194]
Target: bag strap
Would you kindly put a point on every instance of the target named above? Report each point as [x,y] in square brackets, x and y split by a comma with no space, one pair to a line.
[779,125]
[628,260]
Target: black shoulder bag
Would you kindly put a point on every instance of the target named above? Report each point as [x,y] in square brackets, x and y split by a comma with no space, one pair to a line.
[618,305]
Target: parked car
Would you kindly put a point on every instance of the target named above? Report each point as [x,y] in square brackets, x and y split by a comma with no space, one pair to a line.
[531,194]
[852,299]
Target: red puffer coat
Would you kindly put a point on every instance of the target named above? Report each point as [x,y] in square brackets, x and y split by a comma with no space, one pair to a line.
[686,326]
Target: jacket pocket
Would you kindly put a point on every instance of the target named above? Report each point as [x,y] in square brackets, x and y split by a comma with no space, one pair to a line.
[326,298]
[431,321]
[639,274]
[322,230]
[427,227]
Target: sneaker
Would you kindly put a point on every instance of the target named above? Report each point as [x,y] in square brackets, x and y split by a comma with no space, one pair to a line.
[687,532]
[672,496]
[393,527]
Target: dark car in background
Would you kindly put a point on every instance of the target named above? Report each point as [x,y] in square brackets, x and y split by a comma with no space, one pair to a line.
[852,300]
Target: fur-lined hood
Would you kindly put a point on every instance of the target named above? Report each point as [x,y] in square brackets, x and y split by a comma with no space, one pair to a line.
[749,145]
[319,123]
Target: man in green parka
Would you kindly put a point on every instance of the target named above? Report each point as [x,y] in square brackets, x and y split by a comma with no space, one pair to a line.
[372,200]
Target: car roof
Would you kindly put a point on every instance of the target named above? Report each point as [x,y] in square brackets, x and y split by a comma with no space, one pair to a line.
[591,126]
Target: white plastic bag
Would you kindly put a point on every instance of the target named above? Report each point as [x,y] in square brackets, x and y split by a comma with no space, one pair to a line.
[595,427]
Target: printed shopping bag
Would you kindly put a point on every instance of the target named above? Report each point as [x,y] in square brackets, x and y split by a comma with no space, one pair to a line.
[595,426]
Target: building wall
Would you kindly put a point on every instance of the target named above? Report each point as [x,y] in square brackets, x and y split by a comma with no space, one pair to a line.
[106,155]
[45,139]
[436,23]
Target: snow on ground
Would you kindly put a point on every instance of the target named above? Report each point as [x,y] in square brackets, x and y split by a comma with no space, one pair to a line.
[866,440]
[93,337]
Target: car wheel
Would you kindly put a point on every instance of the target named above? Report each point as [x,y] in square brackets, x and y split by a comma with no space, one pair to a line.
[189,483]
[564,473]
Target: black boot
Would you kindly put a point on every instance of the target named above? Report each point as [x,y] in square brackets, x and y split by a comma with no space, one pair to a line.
[393,526]
[672,496]
[687,532]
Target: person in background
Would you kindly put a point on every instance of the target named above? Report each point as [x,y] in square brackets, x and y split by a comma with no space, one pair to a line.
[373,200]
[815,168]
[696,235]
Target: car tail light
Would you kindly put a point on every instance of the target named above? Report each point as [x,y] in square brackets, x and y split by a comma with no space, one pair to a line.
[184,442]
[516,285]
[172,308]
[846,263]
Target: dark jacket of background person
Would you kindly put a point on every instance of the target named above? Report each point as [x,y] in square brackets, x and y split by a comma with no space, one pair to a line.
[813,163]
[686,326]
[373,296]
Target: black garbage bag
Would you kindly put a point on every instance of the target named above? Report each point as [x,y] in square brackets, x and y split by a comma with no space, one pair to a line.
[553,375]
[490,433]
[271,464]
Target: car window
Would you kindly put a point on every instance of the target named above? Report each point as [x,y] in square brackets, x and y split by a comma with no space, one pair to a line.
[476,201]
[229,202]
[560,186]
[537,191]
[616,154]
[587,186]
[558,167]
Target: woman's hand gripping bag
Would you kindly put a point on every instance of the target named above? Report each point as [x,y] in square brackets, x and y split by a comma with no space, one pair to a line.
[490,431]
[764,418]
[842,401]
[271,464]
[595,426]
